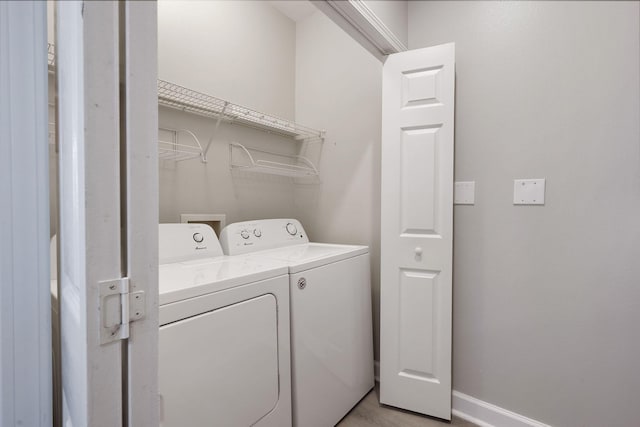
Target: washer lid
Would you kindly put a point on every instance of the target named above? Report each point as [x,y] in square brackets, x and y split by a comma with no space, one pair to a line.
[182,280]
[311,255]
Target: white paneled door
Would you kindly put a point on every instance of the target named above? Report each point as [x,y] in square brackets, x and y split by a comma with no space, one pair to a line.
[417,230]
[107,234]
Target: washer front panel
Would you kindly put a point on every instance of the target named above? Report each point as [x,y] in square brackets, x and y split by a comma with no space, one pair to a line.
[331,340]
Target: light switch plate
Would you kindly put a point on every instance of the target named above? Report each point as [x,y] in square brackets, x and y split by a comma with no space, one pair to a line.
[464,193]
[528,191]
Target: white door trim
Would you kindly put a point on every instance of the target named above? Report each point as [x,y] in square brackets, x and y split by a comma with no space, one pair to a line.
[369,24]
[25,319]
[363,25]
[141,203]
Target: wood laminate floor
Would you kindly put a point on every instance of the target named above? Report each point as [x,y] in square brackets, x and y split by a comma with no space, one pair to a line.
[369,412]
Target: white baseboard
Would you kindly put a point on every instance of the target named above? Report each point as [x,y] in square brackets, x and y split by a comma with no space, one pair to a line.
[486,414]
[479,412]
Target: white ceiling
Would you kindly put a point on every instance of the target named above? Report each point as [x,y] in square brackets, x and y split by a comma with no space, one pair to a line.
[296,10]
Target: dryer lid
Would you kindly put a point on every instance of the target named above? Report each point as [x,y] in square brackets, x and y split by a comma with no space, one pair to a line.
[183,280]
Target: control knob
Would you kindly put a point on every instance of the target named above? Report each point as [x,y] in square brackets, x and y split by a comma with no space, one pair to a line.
[291,229]
[244,234]
[257,232]
[198,237]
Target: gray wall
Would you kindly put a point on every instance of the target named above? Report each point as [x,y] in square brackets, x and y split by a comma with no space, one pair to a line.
[546,299]
[240,51]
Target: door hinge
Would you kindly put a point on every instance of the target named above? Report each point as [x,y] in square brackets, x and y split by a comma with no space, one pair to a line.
[118,307]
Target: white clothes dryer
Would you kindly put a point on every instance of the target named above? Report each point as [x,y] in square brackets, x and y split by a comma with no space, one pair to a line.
[224,334]
[331,323]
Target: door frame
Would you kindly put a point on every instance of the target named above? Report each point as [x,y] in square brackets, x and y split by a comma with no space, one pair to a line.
[140,74]
[25,315]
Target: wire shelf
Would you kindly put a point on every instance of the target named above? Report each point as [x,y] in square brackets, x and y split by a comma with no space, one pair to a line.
[182,98]
[171,147]
[261,161]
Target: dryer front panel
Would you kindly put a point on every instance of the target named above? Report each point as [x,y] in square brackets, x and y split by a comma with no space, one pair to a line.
[221,367]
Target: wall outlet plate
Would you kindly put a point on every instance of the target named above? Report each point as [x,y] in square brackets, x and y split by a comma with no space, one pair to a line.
[528,191]
[464,193]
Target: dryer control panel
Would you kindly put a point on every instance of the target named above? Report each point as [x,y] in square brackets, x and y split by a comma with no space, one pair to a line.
[183,242]
[251,236]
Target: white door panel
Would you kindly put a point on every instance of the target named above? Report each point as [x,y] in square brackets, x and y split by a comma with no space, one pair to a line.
[417,230]
[107,194]
[89,202]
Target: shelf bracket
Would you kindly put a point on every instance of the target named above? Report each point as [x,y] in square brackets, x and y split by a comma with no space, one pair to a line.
[319,138]
[215,131]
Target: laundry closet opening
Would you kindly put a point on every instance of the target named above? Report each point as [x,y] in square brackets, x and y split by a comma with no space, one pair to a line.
[319,159]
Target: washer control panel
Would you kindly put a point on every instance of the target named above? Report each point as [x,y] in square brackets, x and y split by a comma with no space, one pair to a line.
[251,236]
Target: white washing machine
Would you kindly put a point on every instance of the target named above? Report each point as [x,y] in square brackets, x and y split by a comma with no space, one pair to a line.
[331,323]
[224,334]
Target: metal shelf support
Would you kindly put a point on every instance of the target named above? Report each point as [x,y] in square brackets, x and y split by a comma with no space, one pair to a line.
[215,131]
